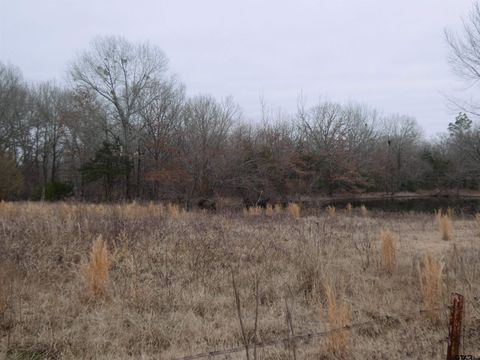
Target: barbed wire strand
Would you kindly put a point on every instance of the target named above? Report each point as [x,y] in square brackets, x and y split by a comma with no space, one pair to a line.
[306,336]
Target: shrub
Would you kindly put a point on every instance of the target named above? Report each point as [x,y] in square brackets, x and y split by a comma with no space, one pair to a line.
[54,191]
[57,190]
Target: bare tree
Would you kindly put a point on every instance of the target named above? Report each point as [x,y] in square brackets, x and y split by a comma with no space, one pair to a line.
[122,75]
[50,110]
[464,55]
[206,124]
[13,109]
[160,133]
[86,127]
[398,155]
[336,142]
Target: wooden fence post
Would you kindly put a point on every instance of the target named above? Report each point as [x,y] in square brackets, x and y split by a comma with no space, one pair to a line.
[455,327]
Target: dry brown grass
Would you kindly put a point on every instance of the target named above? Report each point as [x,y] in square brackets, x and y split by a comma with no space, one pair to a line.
[294,210]
[96,270]
[388,251]
[169,288]
[431,285]
[338,316]
[7,288]
[445,226]
[174,210]
[253,211]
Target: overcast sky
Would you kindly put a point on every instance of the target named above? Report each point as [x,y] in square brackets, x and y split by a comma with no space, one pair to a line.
[390,55]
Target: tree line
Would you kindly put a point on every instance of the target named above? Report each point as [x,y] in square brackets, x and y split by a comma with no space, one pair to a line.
[123,128]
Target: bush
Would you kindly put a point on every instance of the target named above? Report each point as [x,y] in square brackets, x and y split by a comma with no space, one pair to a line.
[54,191]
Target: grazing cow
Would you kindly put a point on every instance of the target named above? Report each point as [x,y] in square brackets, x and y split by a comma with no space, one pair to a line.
[207,204]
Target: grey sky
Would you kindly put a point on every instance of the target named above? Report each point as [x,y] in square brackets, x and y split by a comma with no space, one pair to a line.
[388,54]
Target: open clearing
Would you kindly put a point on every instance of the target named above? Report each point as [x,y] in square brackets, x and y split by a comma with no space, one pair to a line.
[170,290]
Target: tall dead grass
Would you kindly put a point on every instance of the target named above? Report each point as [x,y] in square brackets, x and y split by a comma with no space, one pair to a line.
[363,210]
[253,211]
[388,250]
[338,317]
[431,284]
[348,209]
[269,210]
[278,209]
[445,226]
[96,270]
[294,210]
[168,293]
[331,210]
[174,210]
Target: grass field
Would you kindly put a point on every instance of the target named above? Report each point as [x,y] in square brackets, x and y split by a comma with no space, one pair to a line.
[154,282]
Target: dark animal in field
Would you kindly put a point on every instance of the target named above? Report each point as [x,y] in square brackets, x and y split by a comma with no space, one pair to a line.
[207,204]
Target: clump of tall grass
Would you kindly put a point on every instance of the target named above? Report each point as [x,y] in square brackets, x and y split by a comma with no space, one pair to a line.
[338,317]
[294,210]
[154,209]
[388,250]
[451,212]
[96,270]
[278,209]
[348,209]
[431,284]
[445,226]
[438,215]
[253,211]
[174,210]
[269,210]
[331,210]
[363,210]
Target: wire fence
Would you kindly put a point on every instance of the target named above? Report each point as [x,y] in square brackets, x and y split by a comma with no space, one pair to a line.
[304,337]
